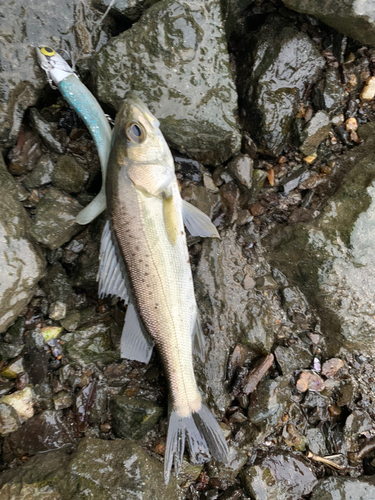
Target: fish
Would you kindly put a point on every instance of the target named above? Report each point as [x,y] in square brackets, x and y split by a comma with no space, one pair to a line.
[79,97]
[144,261]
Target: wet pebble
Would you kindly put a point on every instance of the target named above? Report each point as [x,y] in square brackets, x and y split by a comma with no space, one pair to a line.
[309,381]
[22,402]
[68,175]
[332,366]
[133,417]
[9,420]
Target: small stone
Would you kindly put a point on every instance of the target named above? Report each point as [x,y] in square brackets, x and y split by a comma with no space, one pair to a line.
[54,222]
[57,311]
[242,168]
[46,130]
[62,400]
[310,159]
[9,351]
[133,417]
[351,124]
[368,91]
[338,120]
[230,196]
[257,209]
[283,475]
[9,421]
[345,488]
[22,402]
[68,175]
[41,174]
[332,366]
[209,184]
[244,217]
[51,332]
[13,369]
[309,380]
[248,282]
[315,132]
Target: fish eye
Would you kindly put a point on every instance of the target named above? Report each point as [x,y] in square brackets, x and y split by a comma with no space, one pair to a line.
[47,51]
[135,132]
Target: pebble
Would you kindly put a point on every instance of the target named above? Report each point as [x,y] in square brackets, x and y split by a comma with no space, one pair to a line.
[22,402]
[332,366]
[368,91]
[57,311]
[309,380]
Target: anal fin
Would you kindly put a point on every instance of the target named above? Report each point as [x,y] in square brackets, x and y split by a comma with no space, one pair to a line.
[136,343]
[198,223]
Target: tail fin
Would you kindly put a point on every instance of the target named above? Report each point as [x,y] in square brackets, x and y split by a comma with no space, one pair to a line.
[204,437]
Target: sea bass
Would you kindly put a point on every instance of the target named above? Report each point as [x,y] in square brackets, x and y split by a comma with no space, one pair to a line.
[144,260]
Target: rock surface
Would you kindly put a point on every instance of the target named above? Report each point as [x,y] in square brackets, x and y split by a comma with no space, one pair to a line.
[54,222]
[175,58]
[21,265]
[344,488]
[98,469]
[331,258]
[272,79]
[247,317]
[282,476]
[354,18]
[24,26]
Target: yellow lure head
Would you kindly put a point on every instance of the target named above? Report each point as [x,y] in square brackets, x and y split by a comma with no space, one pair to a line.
[56,68]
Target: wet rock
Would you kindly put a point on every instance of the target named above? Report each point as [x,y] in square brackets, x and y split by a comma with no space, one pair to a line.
[26,27]
[22,266]
[200,198]
[132,9]
[295,357]
[344,488]
[13,369]
[259,176]
[9,351]
[230,195]
[76,318]
[133,417]
[62,400]
[41,174]
[331,258]
[54,222]
[9,420]
[26,153]
[46,130]
[281,476]
[269,403]
[328,94]
[309,381]
[231,313]
[315,132]
[92,344]
[44,432]
[316,442]
[174,43]
[68,175]
[22,402]
[58,288]
[104,470]
[286,61]
[355,19]
[358,422]
[189,472]
[57,311]
[222,475]
[242,168]
[331,367]
[232,12]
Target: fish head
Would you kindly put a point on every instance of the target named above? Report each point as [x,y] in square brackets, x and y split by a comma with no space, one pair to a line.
[56,68]
[137,132]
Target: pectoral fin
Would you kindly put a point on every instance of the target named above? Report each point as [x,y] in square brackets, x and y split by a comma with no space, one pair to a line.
[198,223]
[136,343]
[170,216]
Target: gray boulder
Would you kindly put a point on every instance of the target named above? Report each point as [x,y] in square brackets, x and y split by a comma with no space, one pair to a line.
[272,80]
[354,18]
[175,58]
[332,258]
[21,264]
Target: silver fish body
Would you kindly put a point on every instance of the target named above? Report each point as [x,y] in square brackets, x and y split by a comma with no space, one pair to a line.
[144,243]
